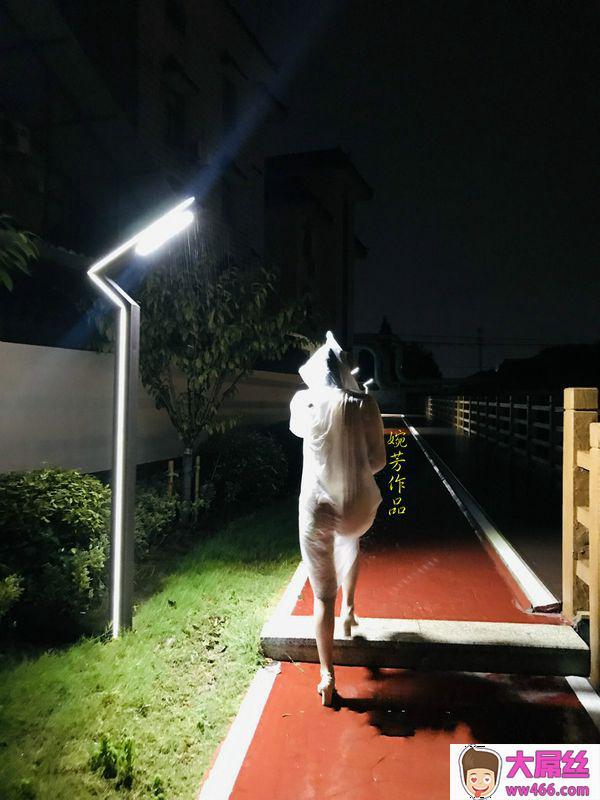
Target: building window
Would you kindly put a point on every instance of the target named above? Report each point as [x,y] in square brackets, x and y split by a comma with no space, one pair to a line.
[230,102]
[175,120]
[175,14]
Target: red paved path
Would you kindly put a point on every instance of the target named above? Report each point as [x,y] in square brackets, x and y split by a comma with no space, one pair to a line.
[390,736]
[429,563]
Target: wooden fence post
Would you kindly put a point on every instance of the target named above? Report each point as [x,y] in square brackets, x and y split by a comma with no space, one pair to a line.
[170,476]
[487,417]
[593,571]
[580,410]
[497,418]
[197,478]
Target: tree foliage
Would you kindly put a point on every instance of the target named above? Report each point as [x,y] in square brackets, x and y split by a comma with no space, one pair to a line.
[17,249]
[202,334]
[419,362]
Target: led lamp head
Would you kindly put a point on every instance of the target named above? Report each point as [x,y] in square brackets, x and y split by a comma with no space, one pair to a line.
[160,232]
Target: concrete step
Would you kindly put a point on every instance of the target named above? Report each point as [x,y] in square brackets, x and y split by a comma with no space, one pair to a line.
[505,647]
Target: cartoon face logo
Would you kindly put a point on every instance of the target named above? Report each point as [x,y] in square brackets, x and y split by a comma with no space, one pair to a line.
[480,770]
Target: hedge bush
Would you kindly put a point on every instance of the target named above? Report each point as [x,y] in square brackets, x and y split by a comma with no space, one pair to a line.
[54,528]
[53,546]
[156,516]
[10,591]
[292,449]
[246,468]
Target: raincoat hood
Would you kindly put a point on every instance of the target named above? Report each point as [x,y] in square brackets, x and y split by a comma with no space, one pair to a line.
[327,368]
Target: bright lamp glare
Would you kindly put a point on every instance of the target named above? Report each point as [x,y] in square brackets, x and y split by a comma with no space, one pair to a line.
[163,230]
[355,371]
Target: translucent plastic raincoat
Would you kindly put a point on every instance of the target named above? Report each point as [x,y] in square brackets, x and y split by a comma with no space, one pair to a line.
[343,448]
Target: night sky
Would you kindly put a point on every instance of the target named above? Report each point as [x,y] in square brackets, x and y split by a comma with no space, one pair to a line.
[476,124]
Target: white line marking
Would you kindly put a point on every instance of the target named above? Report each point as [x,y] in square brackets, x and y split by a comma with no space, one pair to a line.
[223,775]
[587,696]
[535,590]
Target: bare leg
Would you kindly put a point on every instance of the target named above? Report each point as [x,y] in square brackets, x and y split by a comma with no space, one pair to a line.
[324,613]
[348,587]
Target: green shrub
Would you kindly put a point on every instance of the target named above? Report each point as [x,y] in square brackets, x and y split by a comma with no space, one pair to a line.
[292,448]
[114,761]
[54,536]
[10,590]
[156,517]
[159,516]
[246,467]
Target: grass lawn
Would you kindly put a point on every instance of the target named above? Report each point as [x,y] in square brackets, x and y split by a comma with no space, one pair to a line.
[171,686]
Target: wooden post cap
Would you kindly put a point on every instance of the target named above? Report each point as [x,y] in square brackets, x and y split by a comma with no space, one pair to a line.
[595,434]
[585,399]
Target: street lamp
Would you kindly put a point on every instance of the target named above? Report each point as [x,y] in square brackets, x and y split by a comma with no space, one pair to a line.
[125,407]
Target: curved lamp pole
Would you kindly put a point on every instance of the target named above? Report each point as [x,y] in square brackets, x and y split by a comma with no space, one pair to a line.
[125,408]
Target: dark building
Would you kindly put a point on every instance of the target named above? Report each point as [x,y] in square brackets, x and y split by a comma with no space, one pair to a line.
[310,200]
[107,117]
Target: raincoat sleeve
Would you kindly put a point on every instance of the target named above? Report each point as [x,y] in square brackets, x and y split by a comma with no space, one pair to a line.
[374,435]
[300,419]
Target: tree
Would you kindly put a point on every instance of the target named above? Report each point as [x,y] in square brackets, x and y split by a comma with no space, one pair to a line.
[17,249]
[200,335]
[418,362]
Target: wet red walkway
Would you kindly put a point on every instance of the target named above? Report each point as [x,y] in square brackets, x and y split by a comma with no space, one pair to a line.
[390,734]
[429,563]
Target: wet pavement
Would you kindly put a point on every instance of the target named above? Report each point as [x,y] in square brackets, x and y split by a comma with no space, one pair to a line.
[427,563]
[389,733]
[523,500]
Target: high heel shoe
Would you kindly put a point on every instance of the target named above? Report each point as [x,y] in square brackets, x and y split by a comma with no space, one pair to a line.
[348,622]
[326,688]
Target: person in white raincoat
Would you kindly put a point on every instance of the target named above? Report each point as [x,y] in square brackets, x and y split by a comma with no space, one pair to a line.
[343,448]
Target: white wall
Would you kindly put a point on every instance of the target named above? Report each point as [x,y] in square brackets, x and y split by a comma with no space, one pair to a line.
[56,409]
